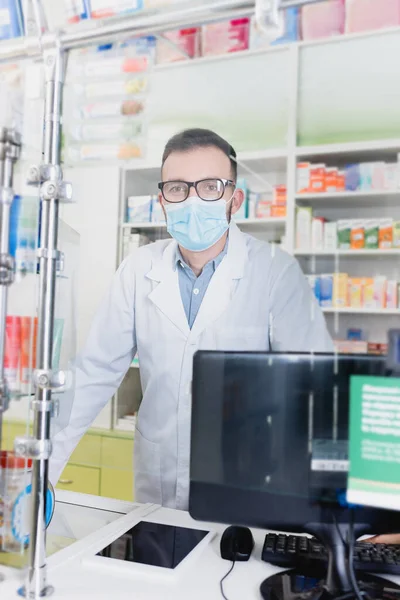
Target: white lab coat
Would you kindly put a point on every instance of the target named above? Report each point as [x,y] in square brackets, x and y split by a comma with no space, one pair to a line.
[257,299]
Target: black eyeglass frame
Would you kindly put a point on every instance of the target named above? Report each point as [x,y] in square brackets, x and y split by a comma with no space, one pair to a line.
[190,184]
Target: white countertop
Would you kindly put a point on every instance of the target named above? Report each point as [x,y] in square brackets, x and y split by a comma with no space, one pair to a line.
[77,573]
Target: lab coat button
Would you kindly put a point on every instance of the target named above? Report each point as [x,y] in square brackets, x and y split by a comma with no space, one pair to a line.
[196,291]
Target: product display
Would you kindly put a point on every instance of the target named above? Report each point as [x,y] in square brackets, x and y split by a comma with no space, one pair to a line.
[24,233]
[367,15]
[15,474]
[11,19]
[357,177]
[339,290]
[76,10]
[225,36]
[178,45]
[100,9]
[315,233]
[323,19]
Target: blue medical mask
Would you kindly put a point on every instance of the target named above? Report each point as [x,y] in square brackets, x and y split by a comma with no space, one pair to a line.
[196,224]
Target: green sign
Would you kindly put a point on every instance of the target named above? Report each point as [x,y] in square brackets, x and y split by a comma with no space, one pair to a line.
[374,444]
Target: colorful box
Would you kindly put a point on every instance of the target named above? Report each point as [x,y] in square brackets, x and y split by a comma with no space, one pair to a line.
[368,292]
[303,178]
[396,234]
[371,236]
[385,233]
[365,177]
[355,291]
[225,37]
[326,290]
[331,179]
[344,234]
[352,177]
[380,284]
[278,211]
[340,290]
[357,235]
[391,294]
[391,182]
[368,15]
[317,178]
[323,19]
[181,44]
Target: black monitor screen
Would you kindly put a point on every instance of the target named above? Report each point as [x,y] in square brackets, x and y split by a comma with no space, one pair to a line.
[270,436]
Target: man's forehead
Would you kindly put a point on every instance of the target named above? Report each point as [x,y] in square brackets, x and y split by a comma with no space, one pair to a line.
[197,164]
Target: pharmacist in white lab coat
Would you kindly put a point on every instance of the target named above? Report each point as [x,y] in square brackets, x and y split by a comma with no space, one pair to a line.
[210,287]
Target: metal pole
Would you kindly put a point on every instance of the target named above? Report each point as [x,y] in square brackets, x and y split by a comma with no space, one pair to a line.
[10,145]
[52,190]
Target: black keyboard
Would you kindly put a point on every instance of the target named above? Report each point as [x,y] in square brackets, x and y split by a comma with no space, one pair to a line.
[300,552]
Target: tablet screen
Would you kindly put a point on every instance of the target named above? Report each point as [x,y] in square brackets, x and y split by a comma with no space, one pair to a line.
[154,544]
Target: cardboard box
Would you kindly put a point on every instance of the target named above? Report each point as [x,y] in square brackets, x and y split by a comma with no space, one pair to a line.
[303,227]
[391,294]
[330,237]
[303,177]
[385,233]
[317,233]
[326,290]
[344,234]
[352,177]
[355,292]
[331,179]
[396,234]
[380,285]
[317,178]
[357,234]
[340,290]
[368,292]
[278,211]
[371,234]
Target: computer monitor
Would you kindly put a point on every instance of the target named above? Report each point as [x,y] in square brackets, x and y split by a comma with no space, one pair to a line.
[269,446]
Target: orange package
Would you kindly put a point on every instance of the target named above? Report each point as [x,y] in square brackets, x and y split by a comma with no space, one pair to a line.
[29,327]
[278,211]
[385,233]
[340,182]
[357,236]
[280,195]
[317,178]
[331,179]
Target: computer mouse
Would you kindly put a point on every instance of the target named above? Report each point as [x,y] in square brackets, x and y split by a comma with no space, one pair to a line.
[237,543]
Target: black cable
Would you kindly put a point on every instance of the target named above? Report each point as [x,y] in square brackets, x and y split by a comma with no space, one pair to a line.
[221,583]
[359,595]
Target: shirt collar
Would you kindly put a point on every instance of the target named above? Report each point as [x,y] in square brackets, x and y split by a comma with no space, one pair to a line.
[215,262]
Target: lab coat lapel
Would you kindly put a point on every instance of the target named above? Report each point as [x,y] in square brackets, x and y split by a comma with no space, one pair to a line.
[166,295]
[223,282]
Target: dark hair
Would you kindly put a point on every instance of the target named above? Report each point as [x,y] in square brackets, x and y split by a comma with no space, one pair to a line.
[190,139]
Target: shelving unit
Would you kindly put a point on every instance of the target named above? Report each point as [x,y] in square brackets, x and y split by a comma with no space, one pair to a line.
[374,198]
[363,311]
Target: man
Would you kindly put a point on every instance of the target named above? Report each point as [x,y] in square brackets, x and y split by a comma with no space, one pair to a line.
[210,287]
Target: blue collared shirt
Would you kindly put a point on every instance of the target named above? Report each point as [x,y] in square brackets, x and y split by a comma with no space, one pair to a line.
[193,288]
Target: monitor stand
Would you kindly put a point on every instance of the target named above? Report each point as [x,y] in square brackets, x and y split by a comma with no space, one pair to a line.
[329,583]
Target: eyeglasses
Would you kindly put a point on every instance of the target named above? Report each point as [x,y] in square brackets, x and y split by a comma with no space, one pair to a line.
[209,190]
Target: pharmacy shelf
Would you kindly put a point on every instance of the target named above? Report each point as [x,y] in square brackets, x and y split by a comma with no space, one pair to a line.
[352,253]
[378,149]
[384,312]
[360,198]
[251,223]
[259,162]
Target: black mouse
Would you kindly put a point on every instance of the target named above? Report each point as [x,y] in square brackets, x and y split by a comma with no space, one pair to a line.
[237,543]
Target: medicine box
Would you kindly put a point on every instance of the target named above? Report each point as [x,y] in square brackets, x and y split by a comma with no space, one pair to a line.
[326,290]
[303,227]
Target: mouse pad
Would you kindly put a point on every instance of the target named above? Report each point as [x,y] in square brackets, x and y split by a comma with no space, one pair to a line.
[154,544]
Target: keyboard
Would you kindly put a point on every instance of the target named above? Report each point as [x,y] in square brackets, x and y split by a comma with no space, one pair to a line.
[300,552]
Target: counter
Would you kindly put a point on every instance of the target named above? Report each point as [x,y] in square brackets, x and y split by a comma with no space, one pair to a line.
[83,525]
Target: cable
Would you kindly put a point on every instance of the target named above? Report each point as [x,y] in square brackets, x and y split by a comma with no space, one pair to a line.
[221,583]
[359,595]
